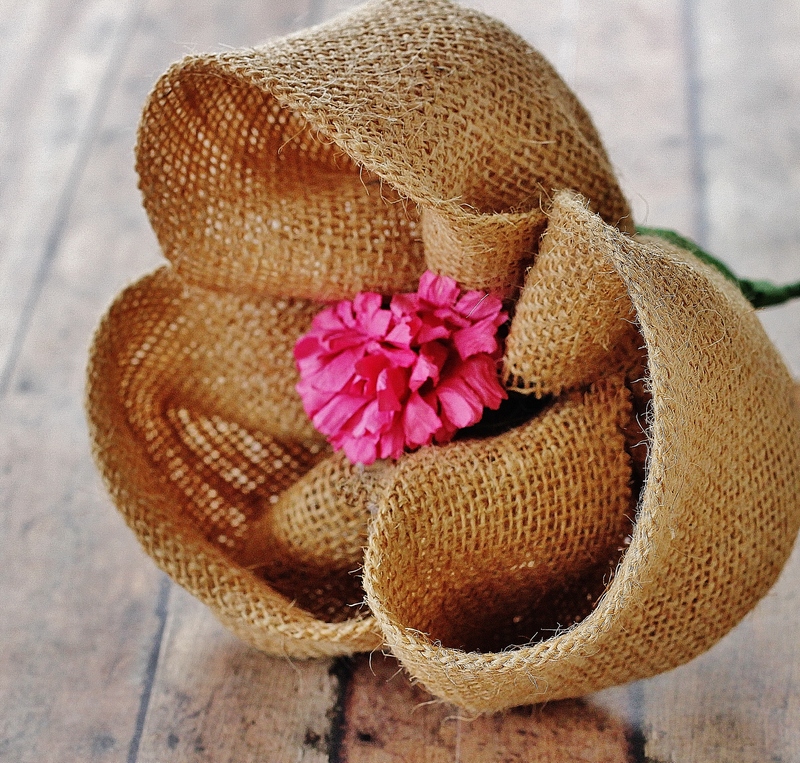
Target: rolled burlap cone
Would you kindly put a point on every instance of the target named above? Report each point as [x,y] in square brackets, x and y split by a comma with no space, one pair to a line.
[573,322]
[301,168]
[717,518]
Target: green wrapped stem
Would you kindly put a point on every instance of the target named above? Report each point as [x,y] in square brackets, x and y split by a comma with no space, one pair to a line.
[758,293]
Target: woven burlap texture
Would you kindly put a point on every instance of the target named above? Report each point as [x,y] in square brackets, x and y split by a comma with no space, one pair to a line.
[302,168]
[353,156]
[573,322]
[577,320]
[410,135]
[716,521]
[197,431]
[494,542]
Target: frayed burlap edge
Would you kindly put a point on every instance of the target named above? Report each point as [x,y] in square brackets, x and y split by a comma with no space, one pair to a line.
[716,522]
[146,498]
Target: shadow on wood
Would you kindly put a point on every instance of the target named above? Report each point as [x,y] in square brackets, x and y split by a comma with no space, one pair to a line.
[387,718]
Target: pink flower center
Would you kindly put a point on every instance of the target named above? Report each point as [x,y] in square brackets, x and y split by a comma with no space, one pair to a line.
[378,380]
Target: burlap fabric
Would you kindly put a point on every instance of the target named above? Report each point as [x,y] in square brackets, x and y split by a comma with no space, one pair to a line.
[198,431]
[574,322]
[403,136]
[348,157]
[716,520]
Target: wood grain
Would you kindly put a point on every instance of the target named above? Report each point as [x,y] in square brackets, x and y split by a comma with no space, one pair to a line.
[83,609]
[102,658]
[625,59]
[740,702]
[78,602]
[212,698]
[749,79]
[630,72]
[388,719]
[60,67]
[215,699]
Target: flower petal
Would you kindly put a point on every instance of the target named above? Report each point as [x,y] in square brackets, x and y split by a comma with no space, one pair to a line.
[480,372]
[460,404]
[338,371]
[432,328]
[420,421]
[328,320]
[392,440]
[371,366]
[337,412]
[404,304]
[392,389]
[477,305]
[401,334]
[313,399]
[440,291]
[361,450]
[362,367]
[432,357]
[480,337]
[371,420]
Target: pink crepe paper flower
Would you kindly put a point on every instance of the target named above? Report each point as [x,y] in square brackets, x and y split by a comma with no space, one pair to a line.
[379,380]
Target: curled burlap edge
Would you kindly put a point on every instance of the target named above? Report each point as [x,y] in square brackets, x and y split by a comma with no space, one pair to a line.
[408,100]
[243,602]
[711,534]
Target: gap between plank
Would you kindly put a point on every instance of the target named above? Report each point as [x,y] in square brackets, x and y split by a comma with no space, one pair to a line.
[63,206]
[636,735]
[342,669]
[697,168]
[152,665]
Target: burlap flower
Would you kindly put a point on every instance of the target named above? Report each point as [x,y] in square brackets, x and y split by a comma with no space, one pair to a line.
[538,563]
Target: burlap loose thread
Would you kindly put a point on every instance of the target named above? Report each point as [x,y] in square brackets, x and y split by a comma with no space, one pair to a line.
[403,136]
[716,521]
[302,168]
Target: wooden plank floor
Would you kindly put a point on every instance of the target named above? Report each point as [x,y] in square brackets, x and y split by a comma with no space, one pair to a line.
[101,657]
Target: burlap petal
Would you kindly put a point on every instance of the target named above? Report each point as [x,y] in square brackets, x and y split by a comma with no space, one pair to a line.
[321,520]
[300,168]
[484,544]
[197,431]
[717,519]
[574,322]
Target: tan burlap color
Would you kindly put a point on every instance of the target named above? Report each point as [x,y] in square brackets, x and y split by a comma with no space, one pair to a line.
[574,321]
[538,563]
[499,541]
[716,520]
[197,431]
[302,168]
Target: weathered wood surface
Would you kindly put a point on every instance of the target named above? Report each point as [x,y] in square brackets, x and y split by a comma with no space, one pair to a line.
[103,659]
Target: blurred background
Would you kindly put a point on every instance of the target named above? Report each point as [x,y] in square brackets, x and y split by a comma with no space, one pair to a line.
[101,658]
